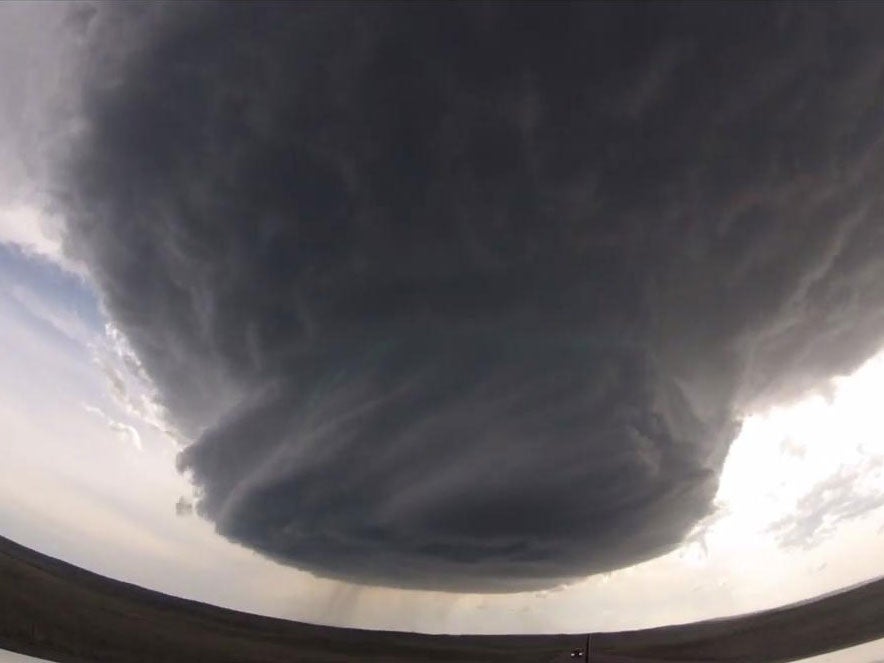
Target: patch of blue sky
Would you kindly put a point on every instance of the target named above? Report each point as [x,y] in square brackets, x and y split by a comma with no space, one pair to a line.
[49,297]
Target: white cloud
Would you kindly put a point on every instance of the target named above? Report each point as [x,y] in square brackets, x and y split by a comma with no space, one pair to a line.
[129,385]
[38,234]
[126,431]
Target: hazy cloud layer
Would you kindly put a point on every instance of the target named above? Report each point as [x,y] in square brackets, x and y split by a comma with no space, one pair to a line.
[469,296]
[838,498]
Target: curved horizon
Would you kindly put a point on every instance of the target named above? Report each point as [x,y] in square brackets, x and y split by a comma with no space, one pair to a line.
[116,621]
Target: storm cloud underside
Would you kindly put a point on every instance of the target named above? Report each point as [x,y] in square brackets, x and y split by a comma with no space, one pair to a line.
[471,297]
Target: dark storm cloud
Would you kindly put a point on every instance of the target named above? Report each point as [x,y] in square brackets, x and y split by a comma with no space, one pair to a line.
[470,296]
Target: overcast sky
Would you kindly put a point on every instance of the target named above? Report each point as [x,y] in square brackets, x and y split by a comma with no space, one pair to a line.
[454,318]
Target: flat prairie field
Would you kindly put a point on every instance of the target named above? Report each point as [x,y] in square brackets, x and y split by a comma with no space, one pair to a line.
[57,611]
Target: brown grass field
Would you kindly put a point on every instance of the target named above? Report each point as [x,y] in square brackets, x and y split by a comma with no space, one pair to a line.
[56,611]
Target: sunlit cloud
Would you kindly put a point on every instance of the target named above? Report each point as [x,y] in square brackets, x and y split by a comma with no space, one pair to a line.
[128,432]
[798,470]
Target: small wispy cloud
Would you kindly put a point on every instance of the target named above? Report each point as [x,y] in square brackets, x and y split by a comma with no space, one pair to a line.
[842,496]
[126,432]
[128,383]
[183,507]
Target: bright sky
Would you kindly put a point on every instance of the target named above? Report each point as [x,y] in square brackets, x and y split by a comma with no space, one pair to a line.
[89,476]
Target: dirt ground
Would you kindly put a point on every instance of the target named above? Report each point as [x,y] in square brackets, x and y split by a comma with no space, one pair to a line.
[59,612]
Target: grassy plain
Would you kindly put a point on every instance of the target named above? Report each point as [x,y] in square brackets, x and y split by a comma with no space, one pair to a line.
[56,611]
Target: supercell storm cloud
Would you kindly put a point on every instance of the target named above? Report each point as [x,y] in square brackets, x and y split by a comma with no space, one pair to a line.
[472,296]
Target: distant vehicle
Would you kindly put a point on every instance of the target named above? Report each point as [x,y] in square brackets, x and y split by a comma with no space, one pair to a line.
[576,653]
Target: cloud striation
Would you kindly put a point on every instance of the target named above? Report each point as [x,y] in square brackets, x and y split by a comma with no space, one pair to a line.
[471,296]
